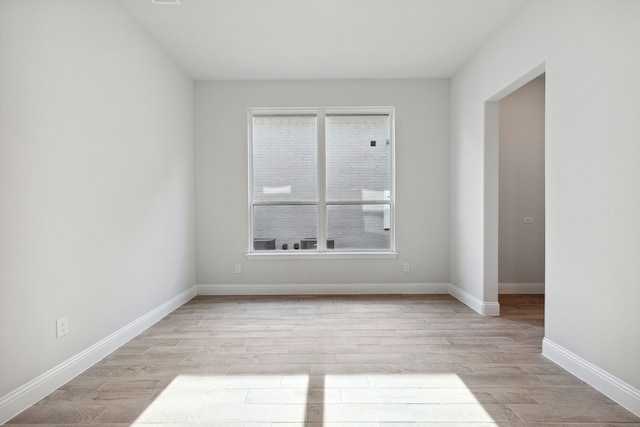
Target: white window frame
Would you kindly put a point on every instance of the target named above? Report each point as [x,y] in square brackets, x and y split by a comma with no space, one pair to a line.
[322,203]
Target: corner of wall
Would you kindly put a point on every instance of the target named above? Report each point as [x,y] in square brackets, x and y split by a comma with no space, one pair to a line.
[476,304]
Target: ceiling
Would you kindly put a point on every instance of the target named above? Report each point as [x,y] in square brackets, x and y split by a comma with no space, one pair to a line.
[321,39]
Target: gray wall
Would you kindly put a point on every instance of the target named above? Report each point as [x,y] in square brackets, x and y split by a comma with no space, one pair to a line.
[422,110]
[96,180]
[521,133]
[591,59]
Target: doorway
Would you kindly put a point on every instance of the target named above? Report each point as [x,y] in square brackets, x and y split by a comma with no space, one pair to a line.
[521,206]
[514,220]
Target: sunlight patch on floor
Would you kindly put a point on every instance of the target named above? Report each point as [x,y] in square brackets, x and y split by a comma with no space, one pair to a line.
[229,399]
[319,400]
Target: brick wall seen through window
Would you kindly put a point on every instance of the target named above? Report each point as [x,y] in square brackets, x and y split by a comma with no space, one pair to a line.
[352,207]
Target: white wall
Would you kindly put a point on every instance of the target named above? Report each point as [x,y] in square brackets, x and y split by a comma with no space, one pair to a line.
[422,109]
[96,180]
[521,194]
[592,174]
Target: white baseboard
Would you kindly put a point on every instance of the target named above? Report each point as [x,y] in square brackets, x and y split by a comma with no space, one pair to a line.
[30,393]
[324,289]
[521,288]
[615,389]
[484,308]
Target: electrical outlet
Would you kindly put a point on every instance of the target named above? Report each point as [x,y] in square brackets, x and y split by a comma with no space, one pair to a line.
[406,268]
[528,220]
[62,327]
[238,269]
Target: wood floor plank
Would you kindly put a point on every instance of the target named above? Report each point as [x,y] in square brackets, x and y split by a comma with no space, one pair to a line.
[332,361]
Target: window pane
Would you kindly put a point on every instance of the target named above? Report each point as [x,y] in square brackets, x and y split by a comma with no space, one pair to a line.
[358,157]
[286,224]
[284,158]
[359,227]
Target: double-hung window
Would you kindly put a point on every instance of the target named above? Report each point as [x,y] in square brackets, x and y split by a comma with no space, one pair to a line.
[321,180]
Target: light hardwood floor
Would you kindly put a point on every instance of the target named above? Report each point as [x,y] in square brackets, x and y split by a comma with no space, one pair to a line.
[370,361]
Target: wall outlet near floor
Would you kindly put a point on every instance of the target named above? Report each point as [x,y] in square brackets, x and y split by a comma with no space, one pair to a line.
[528,220]
[406,268]
[238,269]
[62,327]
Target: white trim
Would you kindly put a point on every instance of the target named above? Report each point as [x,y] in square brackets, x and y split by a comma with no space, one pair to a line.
[482,307]
[521,288]
[293,254]
[322,289]
[30,393]
[614,388]
[321,203]
[490,309]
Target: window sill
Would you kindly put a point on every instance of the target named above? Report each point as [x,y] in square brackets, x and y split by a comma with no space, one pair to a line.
[289,255]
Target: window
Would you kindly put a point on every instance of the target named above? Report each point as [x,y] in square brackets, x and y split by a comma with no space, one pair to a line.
[321,180]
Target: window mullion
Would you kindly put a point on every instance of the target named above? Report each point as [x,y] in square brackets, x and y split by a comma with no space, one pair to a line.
[322,185]
[250,180]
